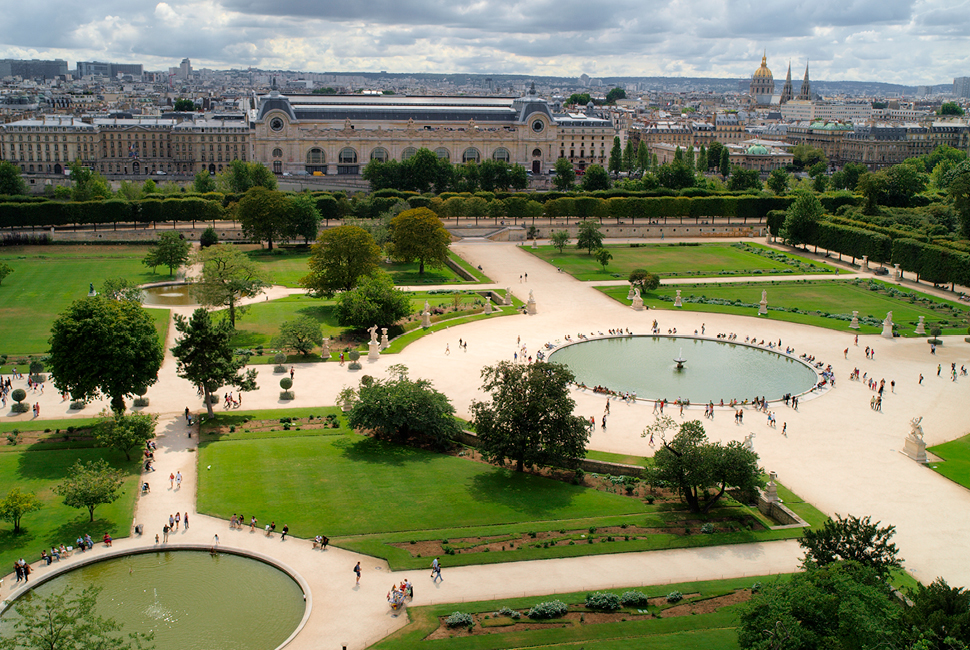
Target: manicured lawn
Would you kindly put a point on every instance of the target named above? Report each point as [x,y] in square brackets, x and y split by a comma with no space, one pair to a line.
[671,261]
[832,297]
[351,485]
[46,279]
[713,631]
[956,453]
[39,471]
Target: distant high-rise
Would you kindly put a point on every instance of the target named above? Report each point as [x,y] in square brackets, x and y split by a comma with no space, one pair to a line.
[961,87]
[98,68]
[33,69]
[185,69]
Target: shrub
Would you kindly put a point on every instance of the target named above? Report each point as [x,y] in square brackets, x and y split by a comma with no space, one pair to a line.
[209,237]
[707,529]
[756,587]
[279,358]
[20,407]
[634,599]
[548,609]
[509,613]
[675,597]
[19,395]
[460,619]
[651,499]
[354,355]
[602,600]
[286,383]
[141,401]
[13,437]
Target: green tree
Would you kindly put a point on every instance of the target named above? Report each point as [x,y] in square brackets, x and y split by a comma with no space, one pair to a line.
[675,175]
[957,183]
[124,432]
[690,159]
[374,301]
[692,465]
[581,99]
[805,155]
[148,187]
[643,279]
[872,185]
[603,256]
[941,613]
[615,94]
[204,355]
[302,334]
[304,217]
[5,270]
[724,166]
[17,504]
[419,234]
[87,184]
[62,622]
[183,104]
[616,156]
[203,182]
[950,108]
[105,347]
[702,160]
[121,289]
[589,236]
[90,484]
[560,239]
[852,538]
[629,156]
[401,409]
[338,260]
[11,182]
[714,154]
[240,176]
[565,175]
[595,178]
[228,276]
[265,215]
[801,219]
[778,181]
[171,249]
[529,420]
[643,157]
[841,606]
[209,237]
[744,179]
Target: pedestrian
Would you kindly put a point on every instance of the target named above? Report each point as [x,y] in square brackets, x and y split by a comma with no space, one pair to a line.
[171,521]
[252,524]
[526,277]
[357,571]
[604,422]
[185,520]
[165,530]
[178,479]
[341,358]
[784,429]
[216,540]
[286,529]
[171,481]
[292,372]
[921,379]
[187,415]
[178,520]
[436,571]
[447,349]
[156,538]
[857,340]
[892,386]
[607,405]
[939,367]
[19,570]
[846,353]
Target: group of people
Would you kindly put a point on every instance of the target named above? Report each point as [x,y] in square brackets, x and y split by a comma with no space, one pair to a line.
[230,402]
[6,387]
[400,593]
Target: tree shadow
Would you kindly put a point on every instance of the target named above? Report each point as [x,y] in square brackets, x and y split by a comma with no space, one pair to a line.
[379,452]
[53,464]
[533,495]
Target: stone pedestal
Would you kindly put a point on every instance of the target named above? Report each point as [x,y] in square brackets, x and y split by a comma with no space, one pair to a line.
[677,300]
[887,326]
[325,348]
[865,262]
[373,351]
[488,304]
[763,307]
[530,307]
[897,273]
[771,490]
[535,244]
[855,320]
[637,303]
[915,448]
[426,319]
[921,326]
[629,294]
[385,342]
[508,297]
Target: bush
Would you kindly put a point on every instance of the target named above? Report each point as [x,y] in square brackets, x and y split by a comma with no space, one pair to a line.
[20,407]
[548,609]
[707,529]
[355,365]
[634,599]
[354,355]
[602,600]
[19,395]
[279,358]
[460,619]
[675,597]
[286,383]
[209,237]
[141,401]
[508,612]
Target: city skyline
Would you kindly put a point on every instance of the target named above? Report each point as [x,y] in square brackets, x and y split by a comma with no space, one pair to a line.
[912,42]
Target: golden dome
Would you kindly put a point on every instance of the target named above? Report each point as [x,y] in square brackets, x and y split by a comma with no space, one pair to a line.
[763,71]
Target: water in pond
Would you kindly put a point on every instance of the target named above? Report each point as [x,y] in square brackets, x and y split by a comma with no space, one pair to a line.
[175,295]
[713,370]
[190,599]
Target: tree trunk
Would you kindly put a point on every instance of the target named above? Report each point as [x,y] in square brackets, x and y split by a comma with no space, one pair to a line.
[269,245]
[232,312]
[208,404]
[91,511]
[519,465]
[710,504]
[421,267]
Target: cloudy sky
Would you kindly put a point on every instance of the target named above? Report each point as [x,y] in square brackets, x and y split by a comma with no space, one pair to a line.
[900,41]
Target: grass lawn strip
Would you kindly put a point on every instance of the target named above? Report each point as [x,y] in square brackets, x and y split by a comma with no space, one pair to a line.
[828,297]
[676,261]
[956,456]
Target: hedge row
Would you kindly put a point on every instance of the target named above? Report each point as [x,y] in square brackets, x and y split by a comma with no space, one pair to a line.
[932,263]
[55,213]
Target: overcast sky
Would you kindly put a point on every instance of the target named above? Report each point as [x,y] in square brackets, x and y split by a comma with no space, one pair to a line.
[901,41]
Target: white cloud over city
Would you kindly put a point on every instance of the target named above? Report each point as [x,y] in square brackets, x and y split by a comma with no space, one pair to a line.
[900,41]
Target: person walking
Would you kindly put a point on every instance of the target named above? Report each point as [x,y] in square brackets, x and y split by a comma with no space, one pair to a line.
[185,520]
[165,530]
[178,479]
[178,519]
[357,571]
[171,481]
[436,571]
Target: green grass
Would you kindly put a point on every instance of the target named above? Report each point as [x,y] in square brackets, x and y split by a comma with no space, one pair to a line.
[623,459]
[39,471]
[835,297]
[667,261]
[46,279]
[956,457]
[715,631]
[40,425]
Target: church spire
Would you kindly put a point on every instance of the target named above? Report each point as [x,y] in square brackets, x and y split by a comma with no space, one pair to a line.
[787,92]
[806,89]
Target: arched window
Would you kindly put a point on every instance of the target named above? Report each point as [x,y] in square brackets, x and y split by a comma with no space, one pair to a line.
[347,156]
[410,151]
[501,154]
[314,156]
[277,153]
[380,153]
[537,153]
[441,152]
[471,154]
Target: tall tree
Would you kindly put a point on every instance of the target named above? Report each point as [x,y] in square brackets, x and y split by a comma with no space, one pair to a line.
[801,219]
[171,249]
[304,217]
[589,236]
[5,270]
[644,280]
[121,289]
[228,276]
[560,239]
[264,215]
[419,234]
[629,157]
[17,504]
[341,256]
[183,104]
[105,347]
[615,94]
[852,538]
[124,432]
[744,179]
[595,178]
[616,156]
[90,484]
[374,301]
[714,155]
[87,184]
[565,175]
[529,420]
[643,157]
[206,358]
[690,158]
[724,167]
[11,182]
[239,176]
[603,256]
[203,182]
[778,181]
[702,160]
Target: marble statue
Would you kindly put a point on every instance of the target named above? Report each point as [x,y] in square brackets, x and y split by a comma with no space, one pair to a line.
[373,333]
[917,429]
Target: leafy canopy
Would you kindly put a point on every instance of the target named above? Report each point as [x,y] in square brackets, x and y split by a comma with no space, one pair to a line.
[124,432]
[17,504]
[341,256]
[228,276]
[589,236]
[171,249]
[852,538]
[90,484]
[374,301]
[419,235]
[302,334]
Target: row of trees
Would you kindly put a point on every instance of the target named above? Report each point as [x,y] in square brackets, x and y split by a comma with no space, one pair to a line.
[426,172]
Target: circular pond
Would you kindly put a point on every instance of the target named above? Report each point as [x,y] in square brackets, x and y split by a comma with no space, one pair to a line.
[169,295]
[714,370]
[191,600]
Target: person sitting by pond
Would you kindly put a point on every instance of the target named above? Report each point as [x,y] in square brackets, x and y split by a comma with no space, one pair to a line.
[63,550]
[55,553]
[107,539]
[45,557]
[88,542]
[146,488]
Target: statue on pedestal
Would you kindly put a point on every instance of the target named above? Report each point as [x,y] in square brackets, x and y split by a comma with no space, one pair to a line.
[887,326]
[914,446]
[508,296]
[916,429]
[763,306]
[373,333]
